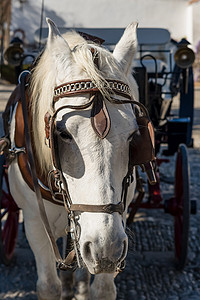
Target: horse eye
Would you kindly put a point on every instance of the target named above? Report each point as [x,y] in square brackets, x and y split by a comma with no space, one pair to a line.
[65,135]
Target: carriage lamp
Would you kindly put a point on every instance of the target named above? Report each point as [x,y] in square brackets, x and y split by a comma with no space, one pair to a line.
[184,57]
[14,53]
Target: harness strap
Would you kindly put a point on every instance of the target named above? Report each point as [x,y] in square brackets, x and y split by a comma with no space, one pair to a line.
[63,264]
[23,160]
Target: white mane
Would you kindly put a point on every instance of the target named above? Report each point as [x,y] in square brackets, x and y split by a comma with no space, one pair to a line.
[44,80]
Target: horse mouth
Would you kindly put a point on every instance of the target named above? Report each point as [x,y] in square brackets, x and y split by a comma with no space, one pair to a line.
[104,266]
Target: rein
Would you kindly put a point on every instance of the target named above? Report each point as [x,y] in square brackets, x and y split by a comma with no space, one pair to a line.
[62,264]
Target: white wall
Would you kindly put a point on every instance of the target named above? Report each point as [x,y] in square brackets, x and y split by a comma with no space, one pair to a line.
[196,23]
[170,14]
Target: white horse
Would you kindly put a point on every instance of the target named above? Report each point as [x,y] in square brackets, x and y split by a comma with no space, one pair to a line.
[92,166]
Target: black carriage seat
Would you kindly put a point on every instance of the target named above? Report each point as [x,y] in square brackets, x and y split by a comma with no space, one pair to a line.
[151,96]
[155,89]
[151,62]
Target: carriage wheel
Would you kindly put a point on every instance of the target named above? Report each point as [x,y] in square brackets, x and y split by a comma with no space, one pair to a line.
[9,218]
[182,199]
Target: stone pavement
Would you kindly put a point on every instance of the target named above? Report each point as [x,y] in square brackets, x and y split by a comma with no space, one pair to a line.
[150,273]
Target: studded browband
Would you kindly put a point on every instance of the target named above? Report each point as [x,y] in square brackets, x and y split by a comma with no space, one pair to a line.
[88,86]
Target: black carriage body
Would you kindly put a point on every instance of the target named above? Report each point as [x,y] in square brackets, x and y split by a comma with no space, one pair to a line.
[162,73]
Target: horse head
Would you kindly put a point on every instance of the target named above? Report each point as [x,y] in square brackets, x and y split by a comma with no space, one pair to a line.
[85,89]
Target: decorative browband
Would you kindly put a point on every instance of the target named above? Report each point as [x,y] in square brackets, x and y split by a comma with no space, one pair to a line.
[87,86]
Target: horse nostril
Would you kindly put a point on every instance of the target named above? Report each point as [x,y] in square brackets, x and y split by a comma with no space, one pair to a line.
[87,250]
[125,249]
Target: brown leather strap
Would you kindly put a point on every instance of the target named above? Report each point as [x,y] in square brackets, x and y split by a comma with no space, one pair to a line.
[27,176]
[23,159]
[92,38]
[107,208]
[40,202]
[47,119]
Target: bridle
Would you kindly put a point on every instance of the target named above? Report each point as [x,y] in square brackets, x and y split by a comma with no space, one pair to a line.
[75,88]
[96,101]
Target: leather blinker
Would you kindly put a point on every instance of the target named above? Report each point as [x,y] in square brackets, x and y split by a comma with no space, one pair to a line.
[142,143]
[142,148]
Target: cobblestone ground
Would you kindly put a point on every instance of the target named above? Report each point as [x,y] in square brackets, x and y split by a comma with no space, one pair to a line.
[150,272]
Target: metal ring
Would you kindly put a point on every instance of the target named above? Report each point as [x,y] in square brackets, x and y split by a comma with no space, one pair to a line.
[73,87]
[68,86]
[23,74]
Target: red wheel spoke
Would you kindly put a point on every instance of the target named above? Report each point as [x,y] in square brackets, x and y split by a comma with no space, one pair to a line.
[182,204]
[9,217]
[178,231]
[9,233]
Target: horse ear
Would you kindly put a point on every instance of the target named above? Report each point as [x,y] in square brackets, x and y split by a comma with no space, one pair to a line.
[126,47]
[56,43]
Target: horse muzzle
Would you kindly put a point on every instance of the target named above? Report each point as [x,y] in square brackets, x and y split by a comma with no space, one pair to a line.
[104,258]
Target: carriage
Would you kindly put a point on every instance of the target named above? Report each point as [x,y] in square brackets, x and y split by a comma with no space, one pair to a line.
[163,69]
